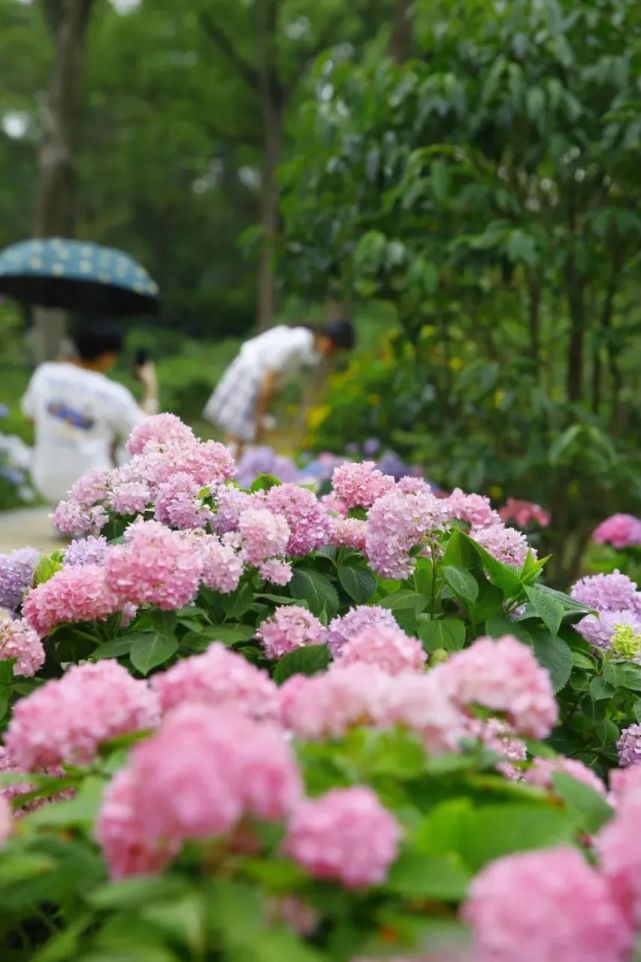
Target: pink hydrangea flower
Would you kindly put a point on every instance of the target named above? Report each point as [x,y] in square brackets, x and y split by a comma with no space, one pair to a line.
[345,835]
[67,719]
[475,509]
[6,820]
[157,432]
[542,771]
[360,485]
[504,676]
[619,849]
[411,485]
[544,907]
[419,702]
[629,746]
[500,738]
[608,592]
[290,627]
[120,832]
[222,567]
[275,571]
[207,462]
[523,513]
[154,566]
[387,648]
[348,533]
[205,768]
[619,530]
[230,503]
[507,545]
[622,782]
[329,704]
[333,505]
[308,521]
[75,593]
[129,497]
[19,640]
[178,504]
[218,677]
[342,629]
[263,535]
[90,489]
[397,523]
[69,518]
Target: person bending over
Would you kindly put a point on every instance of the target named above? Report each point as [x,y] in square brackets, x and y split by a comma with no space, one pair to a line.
[80,415]
[240,404]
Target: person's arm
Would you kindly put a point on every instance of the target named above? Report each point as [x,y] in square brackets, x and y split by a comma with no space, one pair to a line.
[147,376]
[264,398]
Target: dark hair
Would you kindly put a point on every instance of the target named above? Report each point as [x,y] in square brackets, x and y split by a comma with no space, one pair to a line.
[341,332]
[93,338]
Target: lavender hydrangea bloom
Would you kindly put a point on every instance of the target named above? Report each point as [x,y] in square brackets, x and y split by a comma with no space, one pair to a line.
[629,746]
[264,460]
[86,551]
[16,574]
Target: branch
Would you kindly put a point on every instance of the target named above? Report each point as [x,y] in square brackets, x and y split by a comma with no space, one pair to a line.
[226,47]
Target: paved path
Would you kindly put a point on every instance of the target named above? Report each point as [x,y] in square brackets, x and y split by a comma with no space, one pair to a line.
[28,526]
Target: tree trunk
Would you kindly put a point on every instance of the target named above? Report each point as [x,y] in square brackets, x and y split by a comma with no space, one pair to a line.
[400,43]
[576,304]
[67,22]
[272,108]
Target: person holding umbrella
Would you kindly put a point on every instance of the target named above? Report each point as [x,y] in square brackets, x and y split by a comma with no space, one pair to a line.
[80,415]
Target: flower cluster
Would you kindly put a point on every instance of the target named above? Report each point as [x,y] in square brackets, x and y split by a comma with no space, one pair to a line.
[18,640]
[629,746]
[290,627]
[388,648]
[68,719]
[195,778]
[397,525]
[16,575]
[617,624]
[619,530]
[542,771]
[217,677]
[74,593]
[345,835]
[474,509]
[360,485]
[524,513]
[342,629]
[507,545]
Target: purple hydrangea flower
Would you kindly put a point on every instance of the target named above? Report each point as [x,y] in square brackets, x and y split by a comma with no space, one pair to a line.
[16,574]
[86,551]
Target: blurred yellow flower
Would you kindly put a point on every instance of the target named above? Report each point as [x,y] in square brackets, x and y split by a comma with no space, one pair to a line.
[498,398]
[374,398]
[456,363]
[316,415]
[495,492]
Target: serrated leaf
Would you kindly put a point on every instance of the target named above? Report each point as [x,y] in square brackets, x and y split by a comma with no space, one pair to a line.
[151,651]
[591,808]
[462,583]
[554,654]
[308,660]
[448,633]
[264,482]
[548,608]
[316,589]
[358,582]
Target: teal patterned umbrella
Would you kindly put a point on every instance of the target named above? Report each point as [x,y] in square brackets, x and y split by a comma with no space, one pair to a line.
[77,276]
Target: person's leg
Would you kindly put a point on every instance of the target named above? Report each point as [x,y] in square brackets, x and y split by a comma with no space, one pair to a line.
[235,445]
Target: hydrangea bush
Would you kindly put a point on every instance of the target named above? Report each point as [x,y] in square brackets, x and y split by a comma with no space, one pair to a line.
[256,724]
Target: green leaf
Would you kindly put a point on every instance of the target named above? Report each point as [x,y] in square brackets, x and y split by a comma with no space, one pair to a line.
[503,576]
[488,603]
[18,866]
[358,582]
[590,807]
[47,566]
[303,661]
[404,600]
[81,810]
[151,651]
[462,583]
[238,603]
[138,890]
[496,830]
[316,589]
[119,646]
[548,608]
[554,654]
[448,633]
[228,634]
[600,688]
[414,875]
[264,482]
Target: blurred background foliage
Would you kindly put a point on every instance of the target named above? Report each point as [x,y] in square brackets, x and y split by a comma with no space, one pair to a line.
[461,174]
